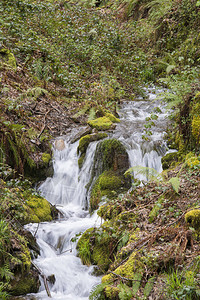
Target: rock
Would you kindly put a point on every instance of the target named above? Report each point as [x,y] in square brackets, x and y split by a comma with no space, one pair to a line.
[169,159]
[8,58]
[84,131]
[59,144]
[105,122]
[110,163]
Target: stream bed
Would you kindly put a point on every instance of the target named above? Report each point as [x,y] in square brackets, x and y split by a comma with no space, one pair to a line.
[66,189]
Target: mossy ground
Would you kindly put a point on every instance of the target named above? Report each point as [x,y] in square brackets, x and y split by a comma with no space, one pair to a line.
[145,249]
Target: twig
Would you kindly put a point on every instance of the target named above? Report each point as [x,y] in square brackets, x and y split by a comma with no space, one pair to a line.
[44,125]
[36,230]
[44,278]
[123,278]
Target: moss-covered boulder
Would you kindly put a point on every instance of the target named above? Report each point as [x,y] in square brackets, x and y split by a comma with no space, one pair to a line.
[26,278]
[39,210]
[192,218]
[94,248]
[195,114]
[7,58]
[25,284]
[104,123]
[84,143]
[110,163]
[111,154]
[108,184]
[169,160]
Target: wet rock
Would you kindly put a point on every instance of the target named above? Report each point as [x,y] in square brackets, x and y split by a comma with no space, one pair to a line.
[51,279]
[110,163]
[60,144]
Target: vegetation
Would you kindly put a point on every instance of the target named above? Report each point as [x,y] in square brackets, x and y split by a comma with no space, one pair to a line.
[68,64]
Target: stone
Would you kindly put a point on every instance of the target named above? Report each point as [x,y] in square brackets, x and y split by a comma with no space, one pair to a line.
[60,144]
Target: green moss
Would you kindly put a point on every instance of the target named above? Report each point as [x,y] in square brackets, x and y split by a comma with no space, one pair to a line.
[25,284]
[108,184]
[92,249]
[87,139]
[112,118]
[102,123]
[7,57]
[169,160]
[111,292]
[195,114]
[83,143]
[40,209]
[81,160]
[192,218]
[46,157]
[192,160]
[109,181]
[126,270]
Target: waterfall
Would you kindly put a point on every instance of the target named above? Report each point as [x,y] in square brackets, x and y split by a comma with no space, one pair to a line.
[66,189]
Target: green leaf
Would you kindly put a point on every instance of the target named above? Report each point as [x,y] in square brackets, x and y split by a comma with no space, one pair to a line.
[136,282]
[175,182]
[148,287]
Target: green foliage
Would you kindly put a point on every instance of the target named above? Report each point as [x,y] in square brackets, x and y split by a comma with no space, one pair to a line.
[125,292]
[150,173]
[148,287]
[182,285]
[97,292]
[3,295]
[175,182]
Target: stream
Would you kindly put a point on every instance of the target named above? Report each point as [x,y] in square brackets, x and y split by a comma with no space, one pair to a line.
[66,189]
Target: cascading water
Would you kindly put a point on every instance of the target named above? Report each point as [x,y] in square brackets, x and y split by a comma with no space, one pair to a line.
[130,131]
[66,189]
[58,253]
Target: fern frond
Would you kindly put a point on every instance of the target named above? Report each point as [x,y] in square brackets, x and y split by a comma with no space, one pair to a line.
[92,114]
[97,292]
[175,182]
[150,173]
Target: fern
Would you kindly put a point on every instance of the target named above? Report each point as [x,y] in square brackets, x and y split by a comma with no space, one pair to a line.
[148,287]
[81,112]
[92,114]
[175,182]
[150,173]
[97,292]
[125,292]
[136,282]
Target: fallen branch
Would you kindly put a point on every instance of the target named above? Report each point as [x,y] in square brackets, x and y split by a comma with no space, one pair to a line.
[123,278]
[44,279]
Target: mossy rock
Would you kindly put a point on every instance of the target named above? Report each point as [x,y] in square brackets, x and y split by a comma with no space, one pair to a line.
[39,210]
[192,160]
[128,269]
[110,163]
[192,218]
[169,160]
[24,284]
[112,118]
[104,123]
[109,211]
[93,250]
[111,154]
[87,139]
[8,58]
[109,184]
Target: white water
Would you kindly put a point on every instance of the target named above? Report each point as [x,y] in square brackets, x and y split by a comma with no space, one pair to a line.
[67,191]
[129,131]
[58,254]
